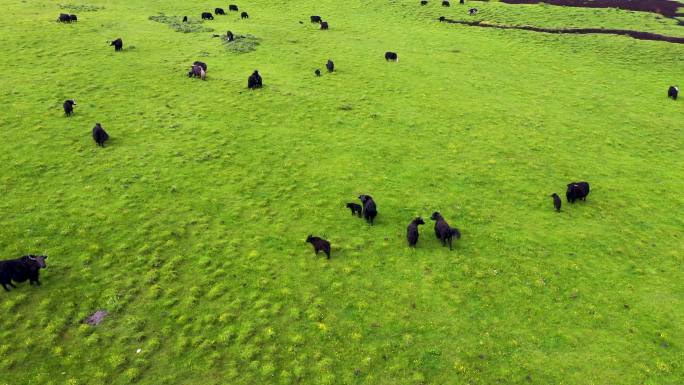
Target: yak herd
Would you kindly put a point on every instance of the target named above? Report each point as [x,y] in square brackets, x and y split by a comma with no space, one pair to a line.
[28,267]
[446,234]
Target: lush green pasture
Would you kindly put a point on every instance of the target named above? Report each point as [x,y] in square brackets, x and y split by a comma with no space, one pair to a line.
[549,16]
[189,226]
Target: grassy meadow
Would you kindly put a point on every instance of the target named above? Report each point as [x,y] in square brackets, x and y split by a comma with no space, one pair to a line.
[189,226]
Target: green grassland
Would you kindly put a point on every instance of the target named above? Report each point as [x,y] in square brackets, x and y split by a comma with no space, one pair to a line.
[189,226]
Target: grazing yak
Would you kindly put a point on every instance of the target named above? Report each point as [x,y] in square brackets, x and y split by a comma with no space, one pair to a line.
[254,81]
[219,11]
[185,19]
[391,56]
[330,65]
[198,72]
[100,136]
[64,18]
[21,269]
[244,15]
[370,210]
[233,7]
[316,19]
[207,16]
[446,3]
[556,202]
[672,92]
[118,44]
[443,231]
[230,36]
[69,107]
[442,19]
[201,64]
[412,231]
[423,2]
[355,209]
[319,244]
[317,72]
[324,25]
[577,191]
[472,11]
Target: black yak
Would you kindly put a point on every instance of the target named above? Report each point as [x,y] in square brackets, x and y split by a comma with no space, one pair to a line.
[201,64]
[423,2]
[472,11]
[355,209]
[64,18]
[443,231]
[254,81]
[244,15]
[207,16]
[219,11]
[73,18]
[442,19]
[370,210]
[412,231]
[317,72]
[21,269]
[316,19]
[230,36]
[446,3]
[391,56]
[69,107]
[100,136]
[556,202]
[185,19]
[198,72]
[118,44]
[577,191]
[324,25]
[233,7]
[330,65]
[672,92]
[319,244]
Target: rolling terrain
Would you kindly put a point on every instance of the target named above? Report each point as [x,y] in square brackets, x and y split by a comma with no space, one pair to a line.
[189,226]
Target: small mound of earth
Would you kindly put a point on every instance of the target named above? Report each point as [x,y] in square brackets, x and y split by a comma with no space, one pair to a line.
[176,22]
[95,318]
[667,8]
[241,43]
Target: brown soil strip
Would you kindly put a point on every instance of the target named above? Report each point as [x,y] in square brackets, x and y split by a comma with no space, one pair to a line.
[667,8]
[624,32]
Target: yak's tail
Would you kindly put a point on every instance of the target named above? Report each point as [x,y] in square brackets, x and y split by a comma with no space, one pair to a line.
[456,234]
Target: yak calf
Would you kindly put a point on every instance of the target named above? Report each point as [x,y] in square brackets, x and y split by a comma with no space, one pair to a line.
[319,244]
[412,231]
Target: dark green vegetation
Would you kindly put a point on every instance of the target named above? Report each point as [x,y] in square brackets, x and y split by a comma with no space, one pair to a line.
[189,227]
[176,22]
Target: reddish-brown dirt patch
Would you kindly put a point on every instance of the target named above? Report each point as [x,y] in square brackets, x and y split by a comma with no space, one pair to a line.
[667,8]
[625,32]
